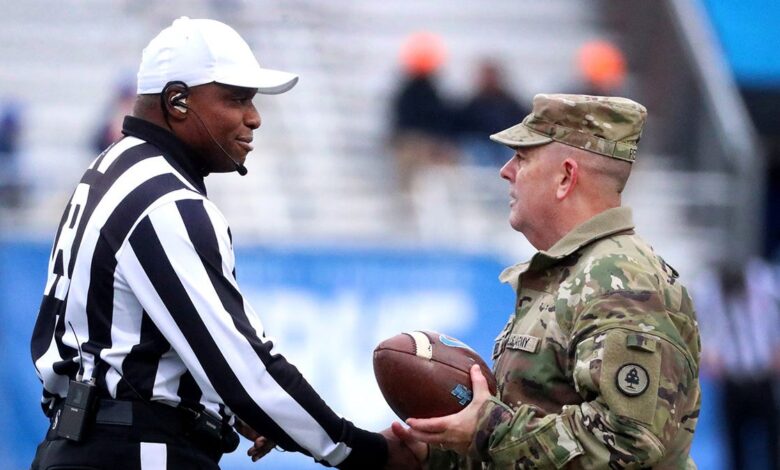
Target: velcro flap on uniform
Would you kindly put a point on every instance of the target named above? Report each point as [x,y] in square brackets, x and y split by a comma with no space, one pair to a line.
[525,343]
[640,342]
[551,445]
[560,445]
[498,346]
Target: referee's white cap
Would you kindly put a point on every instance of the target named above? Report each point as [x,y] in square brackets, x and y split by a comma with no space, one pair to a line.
[199,51]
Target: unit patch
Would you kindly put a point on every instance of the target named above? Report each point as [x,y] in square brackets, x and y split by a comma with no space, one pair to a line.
[632,379]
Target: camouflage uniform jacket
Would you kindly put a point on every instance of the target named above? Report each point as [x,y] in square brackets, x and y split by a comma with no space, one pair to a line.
[598,365]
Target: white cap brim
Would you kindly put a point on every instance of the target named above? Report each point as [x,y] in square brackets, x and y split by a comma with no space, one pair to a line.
[267,81]
[274,82]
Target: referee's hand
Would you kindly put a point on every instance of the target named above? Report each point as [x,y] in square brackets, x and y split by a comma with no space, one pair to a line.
[262,445]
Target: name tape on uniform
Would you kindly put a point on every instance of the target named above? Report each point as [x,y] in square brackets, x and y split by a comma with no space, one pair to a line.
[525,343]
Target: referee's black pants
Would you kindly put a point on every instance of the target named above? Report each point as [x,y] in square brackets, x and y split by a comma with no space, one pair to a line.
[101,453]
[156,440]
[750,406]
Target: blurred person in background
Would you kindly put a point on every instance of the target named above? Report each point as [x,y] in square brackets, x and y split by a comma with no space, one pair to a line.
[602,68]
[598,365]
[739,313]
[772,197]
[491,108]
[10,132]
[110,128]
[423,122]
[143,326]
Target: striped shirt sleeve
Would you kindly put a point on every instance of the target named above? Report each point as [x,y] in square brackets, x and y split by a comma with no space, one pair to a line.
[178,260]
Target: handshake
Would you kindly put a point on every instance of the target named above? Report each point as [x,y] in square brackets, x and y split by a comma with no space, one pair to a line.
[433,382]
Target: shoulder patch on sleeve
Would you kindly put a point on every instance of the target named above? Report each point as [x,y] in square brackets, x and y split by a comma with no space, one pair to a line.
[630,377]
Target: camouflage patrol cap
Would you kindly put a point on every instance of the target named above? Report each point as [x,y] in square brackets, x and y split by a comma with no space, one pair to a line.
[608,126]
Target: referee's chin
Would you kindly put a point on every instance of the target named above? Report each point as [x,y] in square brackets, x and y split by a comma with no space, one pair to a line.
[227,164]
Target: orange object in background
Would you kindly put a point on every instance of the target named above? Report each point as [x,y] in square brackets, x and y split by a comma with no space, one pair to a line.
[602,64]
[422,53]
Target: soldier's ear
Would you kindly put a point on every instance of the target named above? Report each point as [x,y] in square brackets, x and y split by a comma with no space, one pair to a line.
[568,173]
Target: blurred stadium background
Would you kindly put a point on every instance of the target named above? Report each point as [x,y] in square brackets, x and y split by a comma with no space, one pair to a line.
[331,252]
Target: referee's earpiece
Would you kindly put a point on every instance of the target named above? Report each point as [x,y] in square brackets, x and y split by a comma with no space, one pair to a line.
[179,101]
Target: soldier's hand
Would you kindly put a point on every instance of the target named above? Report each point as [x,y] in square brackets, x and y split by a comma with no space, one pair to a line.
[456,431]
[261,445]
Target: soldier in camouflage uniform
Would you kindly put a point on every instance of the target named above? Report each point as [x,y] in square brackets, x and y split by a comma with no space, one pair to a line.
[598,364]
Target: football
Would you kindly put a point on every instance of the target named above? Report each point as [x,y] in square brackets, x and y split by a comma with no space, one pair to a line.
[423,374]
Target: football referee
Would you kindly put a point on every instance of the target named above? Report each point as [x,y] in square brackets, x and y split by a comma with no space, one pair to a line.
[148,353]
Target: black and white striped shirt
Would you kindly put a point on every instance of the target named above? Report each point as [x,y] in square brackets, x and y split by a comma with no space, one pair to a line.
[143,269]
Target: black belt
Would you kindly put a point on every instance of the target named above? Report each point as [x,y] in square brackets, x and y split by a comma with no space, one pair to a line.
[147,421]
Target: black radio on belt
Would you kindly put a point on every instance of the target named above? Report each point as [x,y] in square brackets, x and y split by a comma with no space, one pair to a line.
[77,410]
[205,426]
[70,422]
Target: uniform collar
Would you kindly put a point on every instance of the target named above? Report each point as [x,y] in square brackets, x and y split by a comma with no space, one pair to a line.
[604,224]
[178,154]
